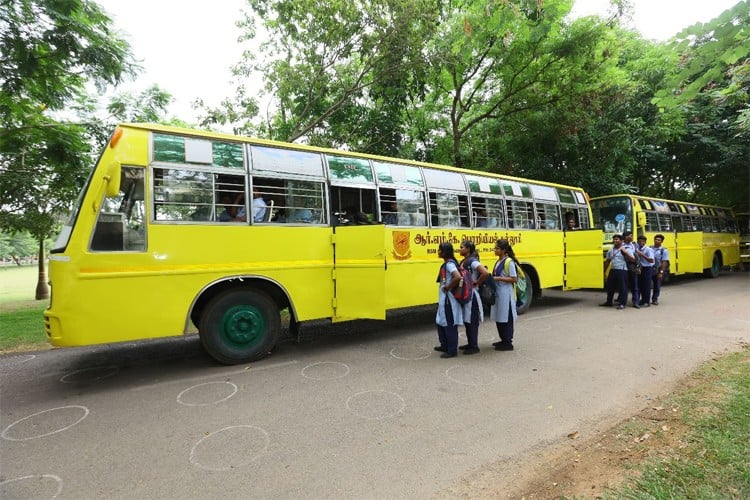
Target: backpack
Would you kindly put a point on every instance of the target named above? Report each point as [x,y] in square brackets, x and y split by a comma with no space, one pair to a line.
[463,291]
[519,287]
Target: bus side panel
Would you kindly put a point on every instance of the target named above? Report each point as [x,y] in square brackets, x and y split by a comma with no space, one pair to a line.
[583,259]
[726,243]
[155,289]
[544,252]
[688,256]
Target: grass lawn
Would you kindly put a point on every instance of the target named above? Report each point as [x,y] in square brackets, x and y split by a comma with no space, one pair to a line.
[21,326]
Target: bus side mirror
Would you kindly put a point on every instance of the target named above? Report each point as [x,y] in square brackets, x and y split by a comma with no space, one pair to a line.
[112,177]
[641,219]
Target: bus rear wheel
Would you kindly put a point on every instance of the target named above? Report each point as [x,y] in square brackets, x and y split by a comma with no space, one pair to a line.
[713,271]
[239,326]
[523,302]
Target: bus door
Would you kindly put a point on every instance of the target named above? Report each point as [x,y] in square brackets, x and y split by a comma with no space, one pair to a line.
[583,259]
[359,272]
[688,253]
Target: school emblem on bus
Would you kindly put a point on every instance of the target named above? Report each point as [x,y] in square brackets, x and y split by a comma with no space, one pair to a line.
[401,250]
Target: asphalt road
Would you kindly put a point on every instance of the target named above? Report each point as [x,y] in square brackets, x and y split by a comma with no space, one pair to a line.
[374,413]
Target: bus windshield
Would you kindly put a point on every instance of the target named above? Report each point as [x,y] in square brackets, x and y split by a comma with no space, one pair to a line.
[613,215]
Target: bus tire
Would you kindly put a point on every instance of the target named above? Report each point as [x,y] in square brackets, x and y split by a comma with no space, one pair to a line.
[239,326]
[523,303]
[713,271]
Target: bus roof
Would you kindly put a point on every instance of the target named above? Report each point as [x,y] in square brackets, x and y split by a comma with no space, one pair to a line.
[280,144]
[666,200]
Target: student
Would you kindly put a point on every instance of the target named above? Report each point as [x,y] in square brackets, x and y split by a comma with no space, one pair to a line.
[661,266]
[391,217]
[646,256]
[449,312]
[473,311]
[617,281]
[230,210]
[503,311]
[259,206]
[628,247]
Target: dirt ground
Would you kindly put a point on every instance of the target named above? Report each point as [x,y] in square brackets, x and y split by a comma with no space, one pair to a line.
[587,469]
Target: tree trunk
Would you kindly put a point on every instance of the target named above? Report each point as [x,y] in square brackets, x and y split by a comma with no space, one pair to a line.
[42,290]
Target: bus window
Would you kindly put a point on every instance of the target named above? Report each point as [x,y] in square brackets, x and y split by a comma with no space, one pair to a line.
[547,216]
[449,210]
[520,214]
[487,212]
[583,221]
[652,221]
[496,212]
[183,195]
[402,207]
[665,222]
[352,205]
[613,215]
[120,225]
[305,202]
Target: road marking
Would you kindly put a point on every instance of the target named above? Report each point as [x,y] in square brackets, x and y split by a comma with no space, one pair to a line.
[222,374]
[547,316]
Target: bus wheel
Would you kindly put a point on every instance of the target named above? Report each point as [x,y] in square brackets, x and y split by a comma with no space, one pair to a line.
[523,303]
[713,271]
[239,326]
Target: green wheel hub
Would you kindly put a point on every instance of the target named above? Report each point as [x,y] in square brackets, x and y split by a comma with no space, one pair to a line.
[243,326]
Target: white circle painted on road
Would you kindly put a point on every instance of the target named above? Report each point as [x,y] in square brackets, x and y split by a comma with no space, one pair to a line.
[325,370]
[11,361]
[411,352]
[209,393]
[89,374]
[35,486]
[470,375]
[229,448]
[45,423]
[376,405]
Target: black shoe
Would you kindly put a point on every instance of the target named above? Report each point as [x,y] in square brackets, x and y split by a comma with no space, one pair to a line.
[645,304]
[471,350]
[504,347]
[636,306]
[497,343]
[449,355]
[655,302]
[464,347]
[620,306]
[642,303]
[606,304]
[439,348]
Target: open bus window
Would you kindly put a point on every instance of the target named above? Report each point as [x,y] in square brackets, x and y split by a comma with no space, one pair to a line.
[352,206]
[120,225]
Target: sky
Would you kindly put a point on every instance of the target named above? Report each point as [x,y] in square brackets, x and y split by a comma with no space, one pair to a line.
[188,48]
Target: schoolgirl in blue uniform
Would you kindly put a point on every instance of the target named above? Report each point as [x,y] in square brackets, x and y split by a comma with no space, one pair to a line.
[449,311]
[503,311]
[473,310]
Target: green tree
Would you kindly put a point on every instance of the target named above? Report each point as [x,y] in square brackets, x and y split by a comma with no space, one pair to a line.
[49,51]
[340,73]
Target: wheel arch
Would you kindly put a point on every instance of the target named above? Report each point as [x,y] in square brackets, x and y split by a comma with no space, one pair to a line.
[278,294]
[533,275]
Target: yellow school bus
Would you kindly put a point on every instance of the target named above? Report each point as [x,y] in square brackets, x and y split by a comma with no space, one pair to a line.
[743,221]
[178,230]
[700,238]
